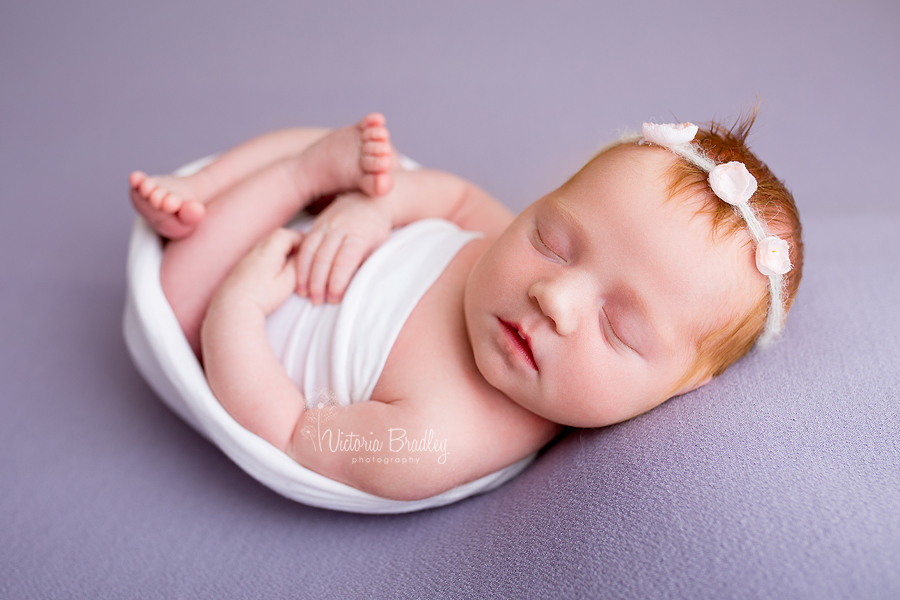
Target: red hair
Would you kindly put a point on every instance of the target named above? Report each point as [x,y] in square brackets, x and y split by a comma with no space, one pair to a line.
[718,349]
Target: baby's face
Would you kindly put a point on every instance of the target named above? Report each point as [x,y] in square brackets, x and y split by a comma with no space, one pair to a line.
[611,286]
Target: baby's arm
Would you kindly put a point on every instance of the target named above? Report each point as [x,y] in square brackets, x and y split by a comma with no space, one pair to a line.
[242,370]
[427,193]
[252,385]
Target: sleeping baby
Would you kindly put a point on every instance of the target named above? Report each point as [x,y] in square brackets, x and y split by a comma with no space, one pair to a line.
[415,335]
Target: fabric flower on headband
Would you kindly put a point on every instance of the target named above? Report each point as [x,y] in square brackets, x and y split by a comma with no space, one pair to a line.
[669,134]
[772,256]
[732,182]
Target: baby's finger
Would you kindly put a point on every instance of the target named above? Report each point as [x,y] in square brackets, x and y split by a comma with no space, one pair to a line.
[286,280]
[321,266]
[279,243]
[351,254]
[305,257]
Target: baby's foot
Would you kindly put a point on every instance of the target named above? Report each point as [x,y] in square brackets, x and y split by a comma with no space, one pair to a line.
[167,202]
[376,156]
[358,157]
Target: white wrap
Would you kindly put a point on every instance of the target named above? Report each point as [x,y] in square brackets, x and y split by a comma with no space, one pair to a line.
[162,354]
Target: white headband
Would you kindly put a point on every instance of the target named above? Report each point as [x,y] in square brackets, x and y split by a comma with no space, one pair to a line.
[734,184]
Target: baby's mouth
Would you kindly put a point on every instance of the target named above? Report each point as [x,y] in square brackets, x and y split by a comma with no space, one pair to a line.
[520,342]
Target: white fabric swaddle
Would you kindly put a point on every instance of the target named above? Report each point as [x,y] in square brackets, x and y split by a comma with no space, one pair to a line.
[164,357]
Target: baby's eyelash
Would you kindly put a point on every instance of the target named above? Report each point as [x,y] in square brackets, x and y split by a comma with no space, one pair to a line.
[541,240]
[608,324]
[543,243]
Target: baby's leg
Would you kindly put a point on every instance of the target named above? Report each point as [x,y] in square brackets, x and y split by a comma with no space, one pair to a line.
[174,205]
[354,157]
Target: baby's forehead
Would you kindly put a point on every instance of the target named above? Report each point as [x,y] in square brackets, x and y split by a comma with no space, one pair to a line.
[633,179]
[653,180]
[651,164]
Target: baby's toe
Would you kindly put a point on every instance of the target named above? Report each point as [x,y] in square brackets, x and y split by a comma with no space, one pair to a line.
[191,212]
[375,134]
[383,183]
[375,164]
[376,184]
[136,179]
[147,186]
[372,120]
[376,148]
[158,200]
[171,203]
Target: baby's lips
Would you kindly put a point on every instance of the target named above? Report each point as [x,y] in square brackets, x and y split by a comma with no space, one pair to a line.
[526,337]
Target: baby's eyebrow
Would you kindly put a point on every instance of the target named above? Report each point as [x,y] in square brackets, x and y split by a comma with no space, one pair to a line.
[568,215]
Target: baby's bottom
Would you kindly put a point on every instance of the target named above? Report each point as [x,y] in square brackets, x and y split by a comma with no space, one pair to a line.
[253,190]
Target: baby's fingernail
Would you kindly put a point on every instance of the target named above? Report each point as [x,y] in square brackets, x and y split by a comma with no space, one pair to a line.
[301,290]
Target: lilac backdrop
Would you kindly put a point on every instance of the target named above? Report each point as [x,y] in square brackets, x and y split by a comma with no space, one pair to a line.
[778,480]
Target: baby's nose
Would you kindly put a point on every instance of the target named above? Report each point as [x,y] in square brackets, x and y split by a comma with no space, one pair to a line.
[560,300]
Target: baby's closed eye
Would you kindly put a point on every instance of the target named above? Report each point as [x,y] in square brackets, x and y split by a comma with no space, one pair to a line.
[613,337]
[546,243]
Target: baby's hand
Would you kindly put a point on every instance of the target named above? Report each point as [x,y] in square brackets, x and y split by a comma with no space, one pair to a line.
[341,238]
[267,274]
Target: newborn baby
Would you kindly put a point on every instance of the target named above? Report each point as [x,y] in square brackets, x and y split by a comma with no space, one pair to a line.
[660,263]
